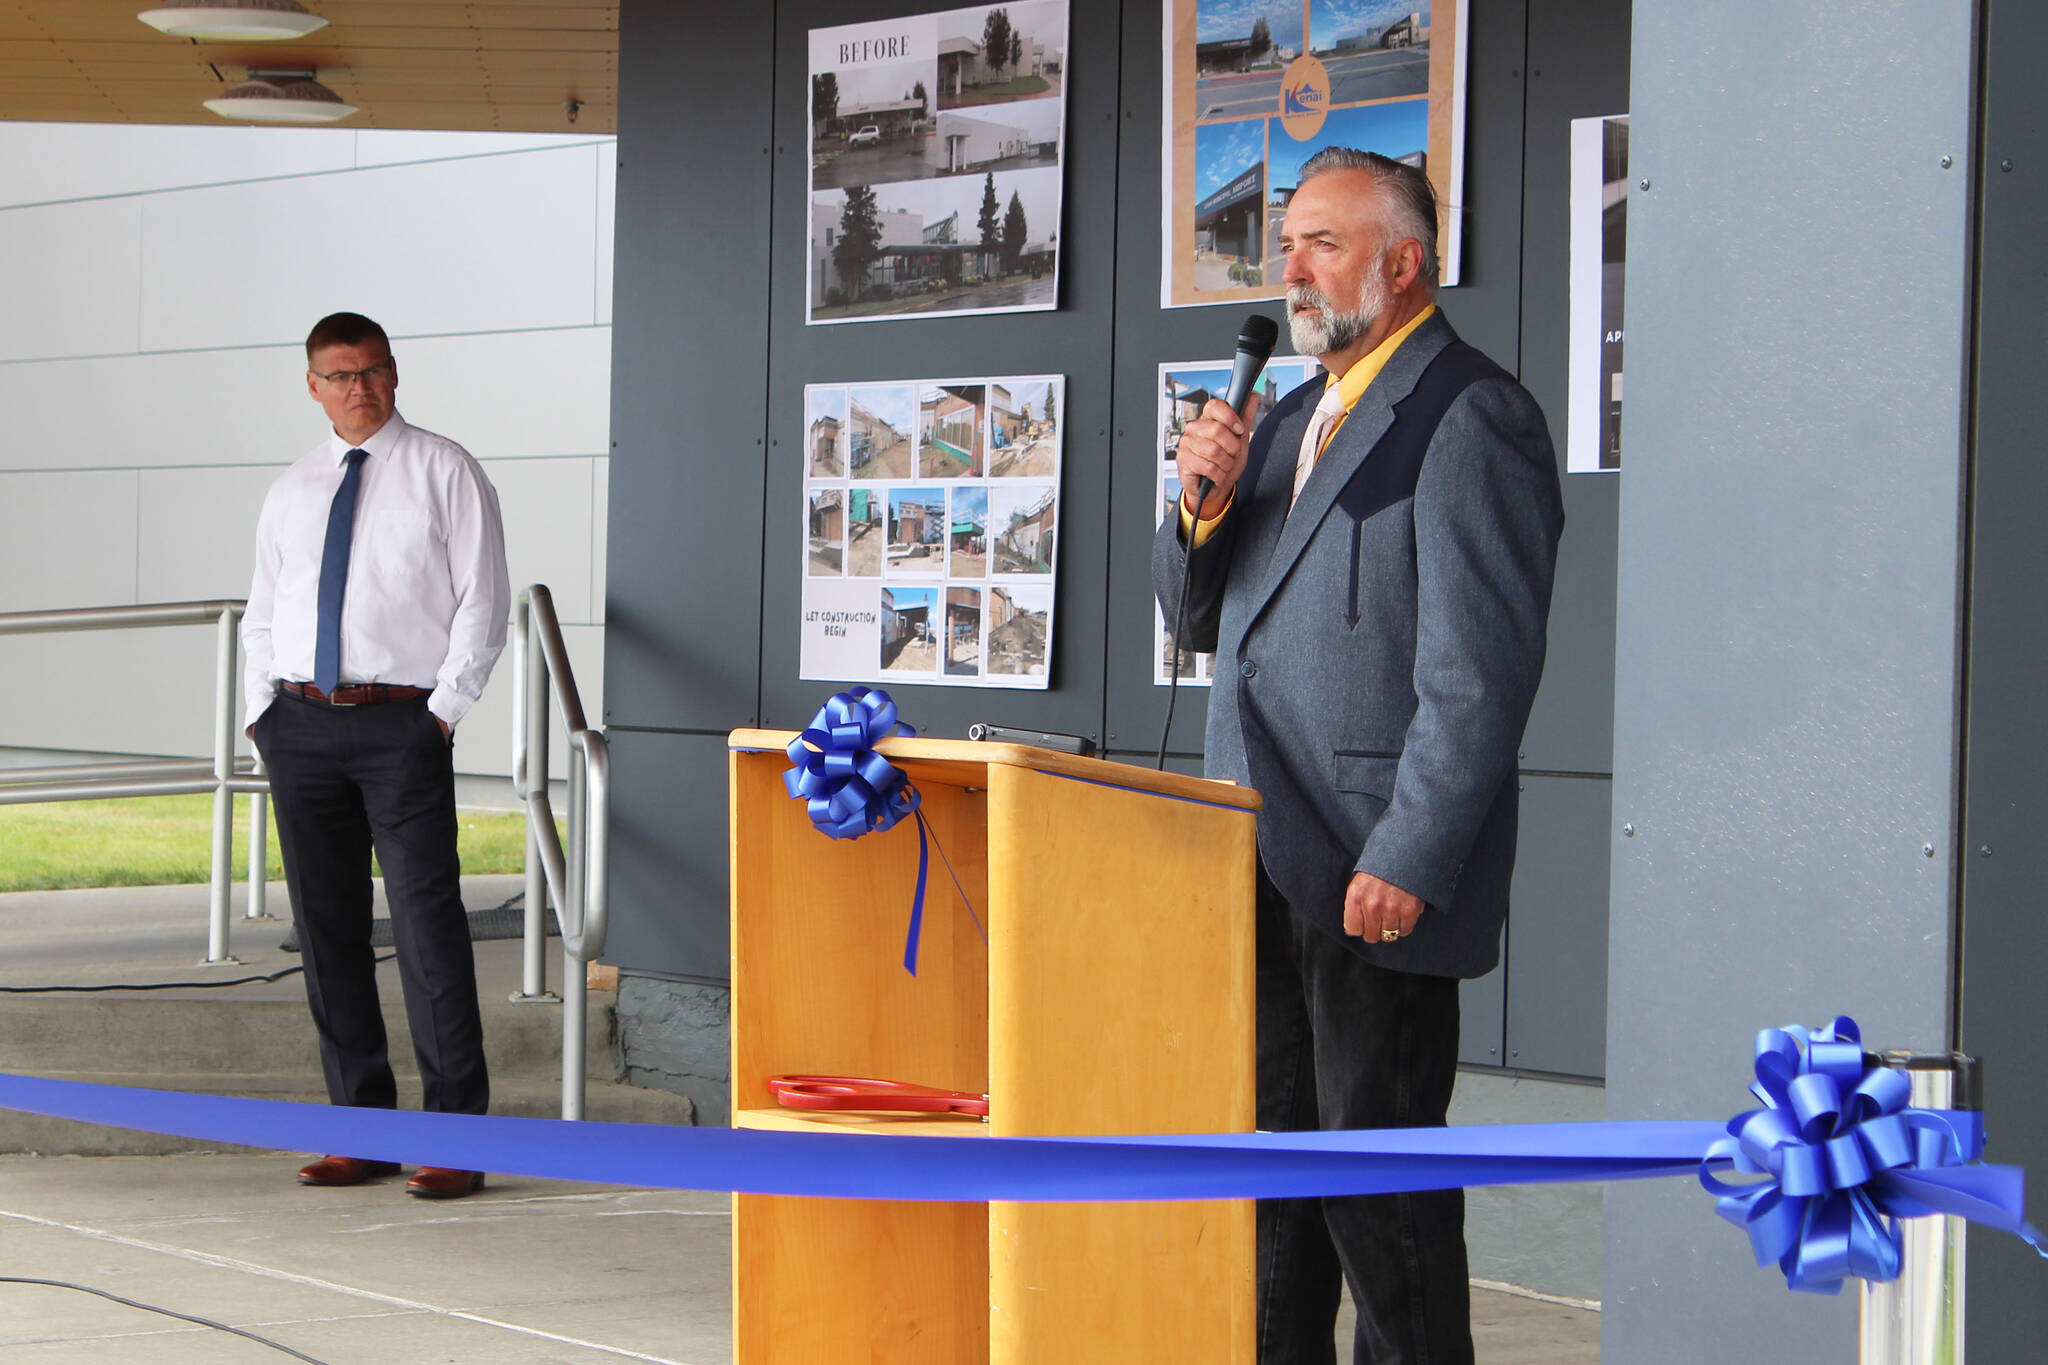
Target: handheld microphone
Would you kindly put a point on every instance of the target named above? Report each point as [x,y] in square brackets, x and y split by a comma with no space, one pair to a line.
[1254,348]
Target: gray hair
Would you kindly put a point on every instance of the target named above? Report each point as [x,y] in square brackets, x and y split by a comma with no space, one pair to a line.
[1408,202]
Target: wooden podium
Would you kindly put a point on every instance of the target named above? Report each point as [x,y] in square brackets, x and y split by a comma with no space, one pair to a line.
[1113,995]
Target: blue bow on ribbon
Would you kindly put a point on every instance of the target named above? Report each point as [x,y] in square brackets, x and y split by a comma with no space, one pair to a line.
[850,790]
[1845,1158]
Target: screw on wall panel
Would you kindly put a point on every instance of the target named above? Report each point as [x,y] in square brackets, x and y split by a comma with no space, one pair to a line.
[2005,165]
[1984,850]
[1947,162]
[1643,183]
[1628,831]
[1927,850]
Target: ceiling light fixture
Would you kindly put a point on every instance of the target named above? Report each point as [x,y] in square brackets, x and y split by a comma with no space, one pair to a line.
[234,21]
[281,97]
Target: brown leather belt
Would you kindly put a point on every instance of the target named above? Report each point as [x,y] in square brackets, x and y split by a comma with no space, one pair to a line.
[356,694]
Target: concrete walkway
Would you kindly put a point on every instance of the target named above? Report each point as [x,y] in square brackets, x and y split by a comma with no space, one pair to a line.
[526,1271]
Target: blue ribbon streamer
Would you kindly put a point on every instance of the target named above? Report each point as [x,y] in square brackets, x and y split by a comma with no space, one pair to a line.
[1843,1160]
[972,1169]
[849,790]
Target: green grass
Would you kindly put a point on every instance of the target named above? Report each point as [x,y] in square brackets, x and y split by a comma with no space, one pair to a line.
[168,840]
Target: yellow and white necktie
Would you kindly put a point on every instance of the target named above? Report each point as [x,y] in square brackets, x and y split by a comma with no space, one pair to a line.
[1329,412]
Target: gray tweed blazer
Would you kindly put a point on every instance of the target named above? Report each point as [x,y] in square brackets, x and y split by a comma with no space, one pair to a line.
[1378,648]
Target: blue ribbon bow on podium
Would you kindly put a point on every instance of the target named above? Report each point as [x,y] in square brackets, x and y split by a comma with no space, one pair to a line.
[849,790]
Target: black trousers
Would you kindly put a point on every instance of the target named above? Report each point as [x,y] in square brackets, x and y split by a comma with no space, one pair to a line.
[1345,1044]
[345,778]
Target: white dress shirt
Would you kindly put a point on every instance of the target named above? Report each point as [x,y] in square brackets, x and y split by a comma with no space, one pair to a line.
[427,596]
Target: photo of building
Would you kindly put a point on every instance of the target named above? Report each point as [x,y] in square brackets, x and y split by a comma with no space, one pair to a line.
[963,632]
[917,531]
[827,532]
[864,534]
[949,431]
[986,242]
[1230,184]
[1026,516]
[1019,622]
[967,535]
[996,53]
[1023,429]
[1241,47]
[1371,51]
[824,434]
[907,642]
[878,428]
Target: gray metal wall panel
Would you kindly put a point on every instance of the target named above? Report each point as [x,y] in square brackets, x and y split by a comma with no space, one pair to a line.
[1577,68]
[2005,863]
[1483,1018]
[1557,930]
[689,345]
[1074,341]
[1786,683]
[669,854]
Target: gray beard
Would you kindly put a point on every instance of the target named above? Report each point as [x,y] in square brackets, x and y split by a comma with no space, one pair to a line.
[1336,329]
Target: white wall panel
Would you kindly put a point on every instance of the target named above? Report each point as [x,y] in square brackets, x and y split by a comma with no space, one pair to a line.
[66,540]
[547,528]
[196,531]
[124,691]
[511,394]
[392,146]
[483,244]
[600,530]
[125,473]
[40,162]
[69,278]
[607,197]
[179,408]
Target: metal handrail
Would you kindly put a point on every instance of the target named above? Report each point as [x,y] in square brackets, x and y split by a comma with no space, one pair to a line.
[225,775]
[577,880]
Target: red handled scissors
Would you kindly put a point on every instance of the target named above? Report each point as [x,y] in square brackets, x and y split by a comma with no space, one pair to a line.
[864,1092]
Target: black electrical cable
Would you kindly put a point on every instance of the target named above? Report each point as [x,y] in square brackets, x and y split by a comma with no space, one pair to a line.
[1180,618]
[277,975]
[167,1312]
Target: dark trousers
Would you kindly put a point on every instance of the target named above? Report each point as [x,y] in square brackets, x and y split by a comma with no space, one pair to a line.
[1345,1044]
[345,778]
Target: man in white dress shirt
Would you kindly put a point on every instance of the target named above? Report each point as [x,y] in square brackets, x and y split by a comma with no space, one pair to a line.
[377,610]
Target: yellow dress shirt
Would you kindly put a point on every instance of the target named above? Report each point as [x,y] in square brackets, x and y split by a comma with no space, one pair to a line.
[1351,386]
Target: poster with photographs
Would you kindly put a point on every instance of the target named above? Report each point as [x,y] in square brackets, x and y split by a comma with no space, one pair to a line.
[1599,208]
[936,142]
[1254,88]
[931,530]
[1183,390]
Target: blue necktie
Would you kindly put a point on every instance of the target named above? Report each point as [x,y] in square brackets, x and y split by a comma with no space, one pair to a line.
[341,524]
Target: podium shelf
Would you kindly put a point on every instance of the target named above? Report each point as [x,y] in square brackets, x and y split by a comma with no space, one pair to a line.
[779,1119]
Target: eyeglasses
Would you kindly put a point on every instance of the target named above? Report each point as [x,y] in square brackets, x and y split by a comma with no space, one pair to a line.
[346,379]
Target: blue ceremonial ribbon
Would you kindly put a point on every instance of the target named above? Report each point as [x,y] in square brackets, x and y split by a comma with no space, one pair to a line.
[1844,1159]
[885,1166]
[849,789]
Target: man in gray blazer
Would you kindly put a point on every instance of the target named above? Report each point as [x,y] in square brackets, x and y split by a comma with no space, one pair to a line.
[1372,569]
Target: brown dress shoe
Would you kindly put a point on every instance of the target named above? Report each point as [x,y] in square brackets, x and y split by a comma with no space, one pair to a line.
[344,1170]
[439,1182]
